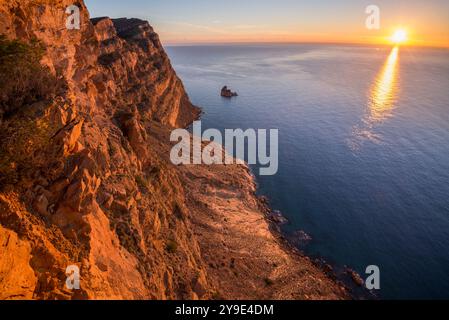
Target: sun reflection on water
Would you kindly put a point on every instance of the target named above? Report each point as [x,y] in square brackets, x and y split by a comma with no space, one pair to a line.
[381,101]
[383,93]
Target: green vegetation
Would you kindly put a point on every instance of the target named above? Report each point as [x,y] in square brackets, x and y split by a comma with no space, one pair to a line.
[216,295]
[23,80]
[21,140]
[171,246]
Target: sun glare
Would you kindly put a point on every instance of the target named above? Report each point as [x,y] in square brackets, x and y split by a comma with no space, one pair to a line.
[399,36]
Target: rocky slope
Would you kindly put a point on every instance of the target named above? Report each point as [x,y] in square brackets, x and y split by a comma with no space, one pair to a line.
[86,180]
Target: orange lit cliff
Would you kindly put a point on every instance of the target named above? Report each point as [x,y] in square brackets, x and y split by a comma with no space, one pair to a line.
[85,176]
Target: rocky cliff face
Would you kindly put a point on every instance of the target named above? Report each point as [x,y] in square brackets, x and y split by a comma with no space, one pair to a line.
[94,193]
[85,179]
[108,65]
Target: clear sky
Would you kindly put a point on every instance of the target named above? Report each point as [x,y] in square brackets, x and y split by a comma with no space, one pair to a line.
[198,21]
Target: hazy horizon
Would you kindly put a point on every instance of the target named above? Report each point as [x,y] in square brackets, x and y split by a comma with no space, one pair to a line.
[255,43]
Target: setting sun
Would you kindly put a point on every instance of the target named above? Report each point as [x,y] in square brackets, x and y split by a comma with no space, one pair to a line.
[399,36]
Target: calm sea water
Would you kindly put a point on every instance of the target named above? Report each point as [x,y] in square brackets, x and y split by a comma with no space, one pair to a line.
[363,151]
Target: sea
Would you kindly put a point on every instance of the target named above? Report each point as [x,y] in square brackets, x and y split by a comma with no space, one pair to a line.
[363,149]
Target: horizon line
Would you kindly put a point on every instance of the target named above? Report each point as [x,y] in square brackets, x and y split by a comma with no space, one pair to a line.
[222,43]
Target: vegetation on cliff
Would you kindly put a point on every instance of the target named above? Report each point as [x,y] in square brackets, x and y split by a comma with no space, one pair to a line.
[23,79]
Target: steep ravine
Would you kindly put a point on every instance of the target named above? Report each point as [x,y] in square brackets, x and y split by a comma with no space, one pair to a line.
[85,178]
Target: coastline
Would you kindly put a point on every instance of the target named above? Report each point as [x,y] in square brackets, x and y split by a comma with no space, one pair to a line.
[281,268]
[245,254]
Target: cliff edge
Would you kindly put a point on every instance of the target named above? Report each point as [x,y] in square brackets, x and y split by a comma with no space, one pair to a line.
[85,179]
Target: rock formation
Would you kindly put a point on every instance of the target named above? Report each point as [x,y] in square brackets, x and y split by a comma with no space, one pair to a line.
[227,93]
[85,177]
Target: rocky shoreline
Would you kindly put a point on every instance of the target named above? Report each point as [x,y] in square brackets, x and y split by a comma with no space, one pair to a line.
[348,279]
[275,223]
[260,263]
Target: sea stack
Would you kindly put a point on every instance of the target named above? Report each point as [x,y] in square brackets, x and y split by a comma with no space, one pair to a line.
[227,93]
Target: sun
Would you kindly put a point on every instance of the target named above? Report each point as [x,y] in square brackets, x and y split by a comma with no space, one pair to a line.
[399,36]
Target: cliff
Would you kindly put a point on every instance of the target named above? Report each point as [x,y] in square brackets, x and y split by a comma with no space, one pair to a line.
[85,178]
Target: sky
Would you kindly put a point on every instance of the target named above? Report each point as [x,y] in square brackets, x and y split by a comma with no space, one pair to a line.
[212,21]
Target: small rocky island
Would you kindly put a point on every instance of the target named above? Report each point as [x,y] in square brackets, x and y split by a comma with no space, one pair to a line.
[227,93]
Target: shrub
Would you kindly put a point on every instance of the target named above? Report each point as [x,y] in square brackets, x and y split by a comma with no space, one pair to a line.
[216,296]
[23,80]
[171,246]
[21,139]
